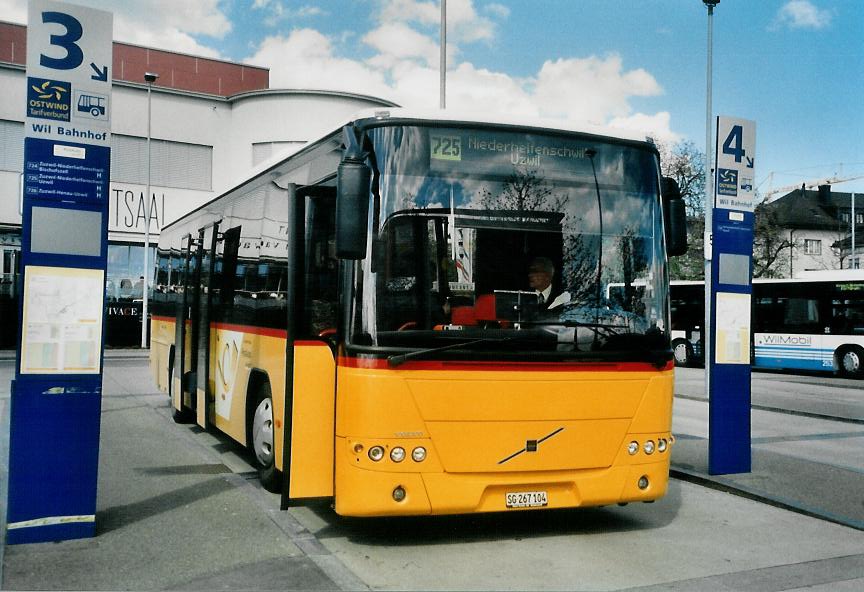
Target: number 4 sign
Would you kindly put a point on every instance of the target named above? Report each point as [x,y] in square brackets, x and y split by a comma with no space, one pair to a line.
[735,164]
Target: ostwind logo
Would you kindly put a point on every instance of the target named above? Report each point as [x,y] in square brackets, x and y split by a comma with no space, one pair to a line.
[48,99]
[47,90]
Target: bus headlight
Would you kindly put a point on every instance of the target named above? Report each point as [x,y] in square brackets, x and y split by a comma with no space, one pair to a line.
[397,454]
[376,453]
[418,454]
[649,447]
[661,445]
[633,447]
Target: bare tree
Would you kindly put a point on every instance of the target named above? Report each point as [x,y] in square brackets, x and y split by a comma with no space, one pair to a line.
[686,164]
[772,244]
[522,191]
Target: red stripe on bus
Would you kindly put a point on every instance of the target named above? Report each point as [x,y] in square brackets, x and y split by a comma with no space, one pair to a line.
[161,318]
[477,365]
[310,343]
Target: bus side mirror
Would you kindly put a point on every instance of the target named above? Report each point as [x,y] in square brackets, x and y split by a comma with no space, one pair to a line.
[675,216]
[352,207]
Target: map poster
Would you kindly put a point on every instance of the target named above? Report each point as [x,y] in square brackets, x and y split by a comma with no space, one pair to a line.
[732,343]
[62,320]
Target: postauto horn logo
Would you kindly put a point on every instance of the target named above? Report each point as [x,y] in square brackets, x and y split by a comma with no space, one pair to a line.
[48,99]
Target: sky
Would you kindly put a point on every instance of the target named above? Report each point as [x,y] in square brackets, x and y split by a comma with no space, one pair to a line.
[795,67]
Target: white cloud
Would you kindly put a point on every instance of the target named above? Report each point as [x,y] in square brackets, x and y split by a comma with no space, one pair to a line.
[14,11]
[403,63]
[163,24]
[591,89]
[802,14]
[404,69]
[657,126]
[398,41]
[464,24]
[305,59]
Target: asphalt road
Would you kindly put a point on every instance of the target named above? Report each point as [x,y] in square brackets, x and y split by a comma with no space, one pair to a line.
[808,394]
[693,539]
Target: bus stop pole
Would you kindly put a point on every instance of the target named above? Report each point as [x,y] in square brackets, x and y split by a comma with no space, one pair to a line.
[709,200]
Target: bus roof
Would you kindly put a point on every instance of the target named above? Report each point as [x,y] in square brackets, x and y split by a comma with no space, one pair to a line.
[282,162]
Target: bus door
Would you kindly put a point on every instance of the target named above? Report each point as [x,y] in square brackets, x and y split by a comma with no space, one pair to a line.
[185,340]
[208,239]
[310,406]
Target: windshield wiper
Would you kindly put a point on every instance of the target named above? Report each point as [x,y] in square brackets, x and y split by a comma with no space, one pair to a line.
[397,360]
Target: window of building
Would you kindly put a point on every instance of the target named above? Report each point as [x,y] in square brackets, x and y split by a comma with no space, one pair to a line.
[812,246]
[11,146]
[859,218]
[845,216]
[125,272]
[173,164]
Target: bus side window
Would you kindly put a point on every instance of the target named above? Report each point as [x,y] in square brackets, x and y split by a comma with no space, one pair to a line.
[322,266]
[229,264]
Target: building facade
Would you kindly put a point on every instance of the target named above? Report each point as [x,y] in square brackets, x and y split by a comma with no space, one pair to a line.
[817,225]
[211,122]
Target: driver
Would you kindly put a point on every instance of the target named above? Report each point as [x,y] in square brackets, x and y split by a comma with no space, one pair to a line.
[541,272]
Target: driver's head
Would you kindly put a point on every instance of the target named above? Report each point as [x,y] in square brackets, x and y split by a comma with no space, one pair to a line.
[540,273]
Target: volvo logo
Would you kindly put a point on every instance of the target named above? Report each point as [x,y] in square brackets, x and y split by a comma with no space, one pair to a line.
[531,446]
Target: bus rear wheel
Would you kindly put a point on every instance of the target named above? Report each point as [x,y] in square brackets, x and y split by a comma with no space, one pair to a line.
[850,361]
[263,440]
[683,352]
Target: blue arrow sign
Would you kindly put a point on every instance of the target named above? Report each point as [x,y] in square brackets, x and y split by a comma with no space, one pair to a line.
[101,75]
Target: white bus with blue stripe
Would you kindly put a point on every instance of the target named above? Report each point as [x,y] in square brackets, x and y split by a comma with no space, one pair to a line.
[813,323]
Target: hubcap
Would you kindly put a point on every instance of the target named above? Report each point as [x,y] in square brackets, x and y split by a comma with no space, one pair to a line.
[681,353]
[851,361]
[262,432]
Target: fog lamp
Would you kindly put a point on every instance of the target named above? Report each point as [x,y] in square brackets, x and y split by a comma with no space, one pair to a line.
[399,493]
[376,453]
[397,454]
[418,454]
[358,448]
[649,447]
[643,482]
[633,447]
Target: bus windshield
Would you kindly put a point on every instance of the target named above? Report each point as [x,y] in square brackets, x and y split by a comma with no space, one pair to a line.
[490,242]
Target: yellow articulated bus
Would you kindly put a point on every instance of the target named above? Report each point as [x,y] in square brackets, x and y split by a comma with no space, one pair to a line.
[410,315]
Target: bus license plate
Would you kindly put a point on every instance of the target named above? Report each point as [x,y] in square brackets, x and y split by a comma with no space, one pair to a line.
[526,499]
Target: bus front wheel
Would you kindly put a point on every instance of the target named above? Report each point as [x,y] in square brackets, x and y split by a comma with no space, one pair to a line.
[683,352]
[851,361]
[263,440]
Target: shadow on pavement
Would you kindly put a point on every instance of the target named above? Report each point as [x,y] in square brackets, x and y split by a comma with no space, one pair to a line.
[432,530]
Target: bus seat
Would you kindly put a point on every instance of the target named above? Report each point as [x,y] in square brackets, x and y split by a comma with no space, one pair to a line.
[463,315]
[484,308]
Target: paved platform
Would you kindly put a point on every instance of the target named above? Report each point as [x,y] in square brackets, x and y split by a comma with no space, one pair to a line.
[180,508]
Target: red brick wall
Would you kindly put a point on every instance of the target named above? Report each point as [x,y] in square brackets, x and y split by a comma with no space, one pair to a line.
[175,70]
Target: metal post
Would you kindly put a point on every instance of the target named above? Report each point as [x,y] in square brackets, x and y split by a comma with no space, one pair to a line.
[443,68]
[852,261]
[150,78]
[709,196]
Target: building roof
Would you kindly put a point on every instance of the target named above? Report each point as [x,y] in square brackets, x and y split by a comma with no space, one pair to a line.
[176,70]
[812,210]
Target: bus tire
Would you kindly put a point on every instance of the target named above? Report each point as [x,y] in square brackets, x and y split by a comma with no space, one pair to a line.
[850,361]
[262,440]
[683,352]
[184,415]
